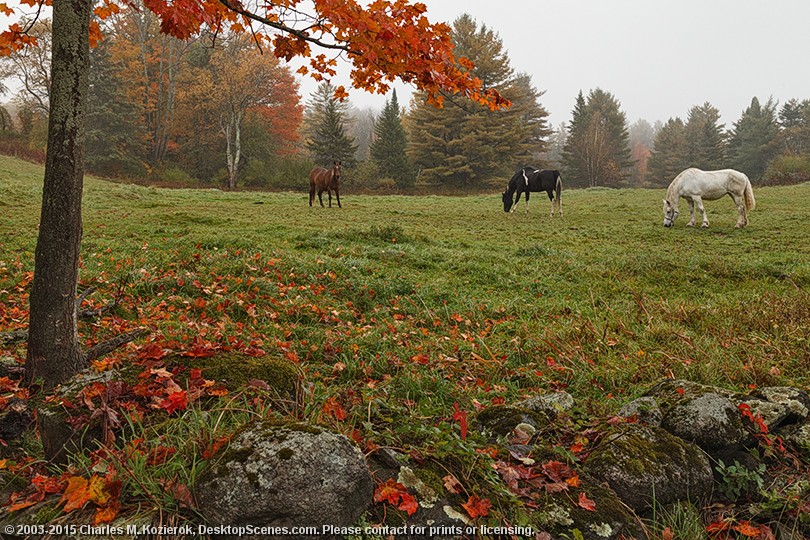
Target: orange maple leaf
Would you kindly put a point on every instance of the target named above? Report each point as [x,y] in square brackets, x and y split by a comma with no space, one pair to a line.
[476,507]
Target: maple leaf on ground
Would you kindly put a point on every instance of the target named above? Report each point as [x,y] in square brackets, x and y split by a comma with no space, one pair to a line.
[586,503]
[176,401]
[396,495]
[746,528]
[80,491]
[476,507]
[460,417]
[333,408]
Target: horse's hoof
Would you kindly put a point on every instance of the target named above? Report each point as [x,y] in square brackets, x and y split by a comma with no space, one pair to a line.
[704,226]
[691,225]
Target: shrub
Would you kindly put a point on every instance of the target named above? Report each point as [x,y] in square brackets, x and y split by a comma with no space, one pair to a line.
[786,170]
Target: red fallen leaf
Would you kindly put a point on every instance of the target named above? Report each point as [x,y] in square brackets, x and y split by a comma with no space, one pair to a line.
[557,471]
[718,527]
[460,417]
[476,507]
[214,447]
[408,504]
[667,534]
[389,492]
[397,495]
[573,481]
[422,359]
[160,454]
[176,401]
[333,408]
[586,503]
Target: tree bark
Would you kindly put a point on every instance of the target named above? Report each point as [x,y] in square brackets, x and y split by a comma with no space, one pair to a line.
[54,352]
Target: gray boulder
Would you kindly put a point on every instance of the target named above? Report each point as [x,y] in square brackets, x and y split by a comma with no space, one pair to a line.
[645,409]
[643,464]
[550,404]
[709,420]
[283,475]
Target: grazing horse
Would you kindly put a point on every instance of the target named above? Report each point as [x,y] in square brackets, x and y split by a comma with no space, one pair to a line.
[695,185]
[528,179]
[328,180]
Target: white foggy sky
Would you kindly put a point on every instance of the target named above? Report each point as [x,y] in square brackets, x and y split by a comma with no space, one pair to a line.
[658,58]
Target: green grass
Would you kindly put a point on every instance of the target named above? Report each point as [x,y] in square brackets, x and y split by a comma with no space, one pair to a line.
[607,291]
[400,307]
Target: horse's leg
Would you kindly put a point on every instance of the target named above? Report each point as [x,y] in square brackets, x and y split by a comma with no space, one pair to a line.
[518,193]
[551,198]
[337,194]
[527,201]
[320,197]
[699,203]
[311,194]
[739,200]
[691,213]
[329,193]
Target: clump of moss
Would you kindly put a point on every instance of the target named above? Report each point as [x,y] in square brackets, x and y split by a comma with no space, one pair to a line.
[236,370]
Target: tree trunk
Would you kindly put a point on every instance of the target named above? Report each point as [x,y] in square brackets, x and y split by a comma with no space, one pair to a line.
[54,352]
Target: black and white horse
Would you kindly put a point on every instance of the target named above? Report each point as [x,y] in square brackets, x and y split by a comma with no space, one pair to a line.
[528,179]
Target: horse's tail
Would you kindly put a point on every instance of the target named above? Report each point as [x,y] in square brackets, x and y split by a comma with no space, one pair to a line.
[558,189]
[750,202]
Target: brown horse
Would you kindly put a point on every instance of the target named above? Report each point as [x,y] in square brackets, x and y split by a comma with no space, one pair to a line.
[328,180]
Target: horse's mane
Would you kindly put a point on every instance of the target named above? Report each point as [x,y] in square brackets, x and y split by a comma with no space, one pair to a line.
[672,190]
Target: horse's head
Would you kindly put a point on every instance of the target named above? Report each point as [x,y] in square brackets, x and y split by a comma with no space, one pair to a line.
[670,214]
[335,172]
[507,200]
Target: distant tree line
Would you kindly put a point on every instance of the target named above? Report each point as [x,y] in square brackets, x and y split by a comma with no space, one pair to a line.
[217,112]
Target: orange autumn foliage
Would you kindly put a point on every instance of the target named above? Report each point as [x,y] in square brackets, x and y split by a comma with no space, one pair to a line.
[384,40]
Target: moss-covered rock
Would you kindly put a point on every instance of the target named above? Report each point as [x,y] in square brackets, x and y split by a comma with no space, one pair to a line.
[643,464]
[502,419]
[710,420]
[558,515]
[645,409]
[284,474]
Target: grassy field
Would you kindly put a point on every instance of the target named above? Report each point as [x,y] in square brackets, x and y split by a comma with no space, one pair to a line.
[415,304]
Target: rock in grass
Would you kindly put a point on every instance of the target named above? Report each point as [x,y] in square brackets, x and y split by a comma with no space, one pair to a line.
[645,409]
[502,419]
[710,420]
[646,465]
[286,474]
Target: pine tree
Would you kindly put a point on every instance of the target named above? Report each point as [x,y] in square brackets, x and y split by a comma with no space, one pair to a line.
[705,139]
[327,140]
[389,145]
[115,145]
[597,151]
[669,153]
[466,144]
[794,121]
[753,143]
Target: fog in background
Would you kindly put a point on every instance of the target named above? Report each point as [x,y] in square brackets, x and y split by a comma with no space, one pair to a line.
[658,58]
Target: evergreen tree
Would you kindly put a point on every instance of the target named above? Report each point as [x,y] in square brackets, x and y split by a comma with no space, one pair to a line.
[597,150]
[466,144]
[389,145]
[327,140]
[114,145]
[669,153]
[705,140]
[794,121]
[753,143]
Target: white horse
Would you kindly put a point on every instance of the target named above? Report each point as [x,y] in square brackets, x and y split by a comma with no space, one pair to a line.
[695,185]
